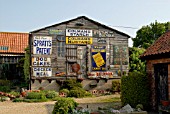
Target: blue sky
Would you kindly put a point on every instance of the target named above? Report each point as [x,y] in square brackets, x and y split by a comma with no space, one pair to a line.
[29,15]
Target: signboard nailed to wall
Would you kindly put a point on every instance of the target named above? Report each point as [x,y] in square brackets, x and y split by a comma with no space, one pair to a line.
[42,71]
[79,32]
[98,58]
[41,61]
[79,40]
[42,45]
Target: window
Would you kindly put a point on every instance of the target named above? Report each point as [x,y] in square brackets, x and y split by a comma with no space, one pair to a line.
[61,46]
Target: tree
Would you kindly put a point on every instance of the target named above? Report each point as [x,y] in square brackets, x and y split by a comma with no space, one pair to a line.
[136,64]
[27,65]
[149,33]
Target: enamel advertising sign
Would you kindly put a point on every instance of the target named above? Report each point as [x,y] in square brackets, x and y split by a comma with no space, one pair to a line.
[41,61]
[42,45]
[98,58]
[79,32]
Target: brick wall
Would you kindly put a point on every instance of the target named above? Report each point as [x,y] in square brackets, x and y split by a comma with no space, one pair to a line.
[150,71]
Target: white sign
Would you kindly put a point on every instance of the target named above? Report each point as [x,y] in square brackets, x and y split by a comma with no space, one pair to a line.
[78,32]
[42,45]
[41,61]
[79,53]
[42,71]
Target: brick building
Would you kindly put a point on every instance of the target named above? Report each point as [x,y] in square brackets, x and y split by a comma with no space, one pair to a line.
[157,58]
[12,49]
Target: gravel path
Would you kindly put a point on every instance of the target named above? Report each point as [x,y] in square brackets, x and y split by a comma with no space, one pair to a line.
[9,107]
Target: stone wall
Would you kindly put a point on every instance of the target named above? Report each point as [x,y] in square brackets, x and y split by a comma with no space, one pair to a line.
[87,84]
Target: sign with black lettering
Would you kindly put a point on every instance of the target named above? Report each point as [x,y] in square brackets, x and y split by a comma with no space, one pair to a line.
[79,40]
[41,61]
[42,71]
[79,32]
[42,45]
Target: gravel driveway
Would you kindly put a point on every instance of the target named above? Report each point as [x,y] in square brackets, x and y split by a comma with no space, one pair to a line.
[9,107]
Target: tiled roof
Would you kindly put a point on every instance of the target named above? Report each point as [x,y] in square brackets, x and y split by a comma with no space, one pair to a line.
[162,45]
[11,42]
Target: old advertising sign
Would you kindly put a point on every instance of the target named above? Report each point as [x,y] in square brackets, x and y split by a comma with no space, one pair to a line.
[98,58]
[42,71]
[79,40]
[42,45]
[41,61]
[79,32]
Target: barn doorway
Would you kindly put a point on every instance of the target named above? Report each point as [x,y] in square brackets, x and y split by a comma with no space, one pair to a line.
[161,82]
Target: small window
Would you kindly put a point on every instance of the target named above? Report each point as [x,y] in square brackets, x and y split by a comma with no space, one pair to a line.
[61,46]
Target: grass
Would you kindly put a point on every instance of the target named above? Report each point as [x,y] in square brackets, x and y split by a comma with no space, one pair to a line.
[100,99]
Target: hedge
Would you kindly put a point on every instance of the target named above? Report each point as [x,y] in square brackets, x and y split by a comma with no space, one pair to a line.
[135,89]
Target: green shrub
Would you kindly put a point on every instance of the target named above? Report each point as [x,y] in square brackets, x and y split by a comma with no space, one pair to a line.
[4,82]
[56,98]
[116,85]
[4,88]
[88,94]
[135,89]
[35,100]
[71,83]
[36,95]
[77,92]
[18,100]
[66,91]
[64,106]
[16,94]
[52,94]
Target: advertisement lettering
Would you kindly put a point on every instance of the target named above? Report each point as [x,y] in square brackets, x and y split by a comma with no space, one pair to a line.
[42,45]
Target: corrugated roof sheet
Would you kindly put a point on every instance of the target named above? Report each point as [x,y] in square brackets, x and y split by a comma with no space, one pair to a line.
[12,42]
[162,45]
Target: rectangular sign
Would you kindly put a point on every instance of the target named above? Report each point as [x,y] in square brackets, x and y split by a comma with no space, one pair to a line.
[98,58]
[42,45]
[42,71]
[79,32]
[41,61]
[56,31]
[79,40]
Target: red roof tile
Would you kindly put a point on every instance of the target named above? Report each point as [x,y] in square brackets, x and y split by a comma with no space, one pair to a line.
[162,45]
[11,42]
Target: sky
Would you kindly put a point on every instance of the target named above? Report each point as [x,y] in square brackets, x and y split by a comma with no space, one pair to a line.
[127,16]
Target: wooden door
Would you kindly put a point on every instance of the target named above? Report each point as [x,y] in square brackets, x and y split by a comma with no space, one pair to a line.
[161,82]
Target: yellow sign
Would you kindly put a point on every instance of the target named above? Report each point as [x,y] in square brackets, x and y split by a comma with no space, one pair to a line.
[79,40]
[98,59]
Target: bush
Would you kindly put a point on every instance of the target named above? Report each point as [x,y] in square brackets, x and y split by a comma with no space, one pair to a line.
[116,85]
[88,94]
[18,100]
[35,95]
[5,88]
[70,84]
[77,92]
[14,93]
[135,89]
[64,106]
[4,82]
[35,100]
[66,91]
[52,94]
